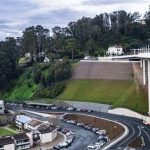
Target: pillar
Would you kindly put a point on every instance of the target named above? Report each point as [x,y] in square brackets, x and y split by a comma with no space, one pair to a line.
[141,63]
[144,72]
[149,87]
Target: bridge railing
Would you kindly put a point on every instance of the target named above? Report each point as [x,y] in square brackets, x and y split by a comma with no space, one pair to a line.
[145,49]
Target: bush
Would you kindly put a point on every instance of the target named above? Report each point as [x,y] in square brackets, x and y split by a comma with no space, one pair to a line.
[37,77]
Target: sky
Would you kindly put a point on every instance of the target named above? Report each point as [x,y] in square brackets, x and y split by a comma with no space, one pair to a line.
[16,15]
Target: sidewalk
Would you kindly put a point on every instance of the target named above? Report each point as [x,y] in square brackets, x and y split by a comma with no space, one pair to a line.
[130,113]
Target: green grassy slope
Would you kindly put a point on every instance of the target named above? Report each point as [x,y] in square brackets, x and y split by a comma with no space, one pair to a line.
[115,92]
[24,87]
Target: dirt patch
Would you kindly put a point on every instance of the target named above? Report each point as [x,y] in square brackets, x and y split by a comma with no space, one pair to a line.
[113,129]
[136,143]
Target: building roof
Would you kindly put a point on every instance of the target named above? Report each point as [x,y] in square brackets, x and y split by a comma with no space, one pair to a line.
[34,123]
[6,141]
[23,118]
[20,136]
[46,129]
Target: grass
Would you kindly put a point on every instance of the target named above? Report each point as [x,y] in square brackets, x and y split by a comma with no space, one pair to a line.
[24,87]
[115,92]
[5,132]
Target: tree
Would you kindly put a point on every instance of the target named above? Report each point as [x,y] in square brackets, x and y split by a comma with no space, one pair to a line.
[8,62]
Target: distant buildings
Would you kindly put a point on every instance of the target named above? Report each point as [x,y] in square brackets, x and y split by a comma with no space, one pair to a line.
[2,108]
[115,50]
[141,21]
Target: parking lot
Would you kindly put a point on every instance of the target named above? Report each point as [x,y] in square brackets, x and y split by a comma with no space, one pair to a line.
[82,137]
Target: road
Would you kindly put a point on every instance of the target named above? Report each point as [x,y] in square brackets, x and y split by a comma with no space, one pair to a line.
[135,126]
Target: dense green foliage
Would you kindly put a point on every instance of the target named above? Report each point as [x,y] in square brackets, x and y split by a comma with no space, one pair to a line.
[114,92]
[35,81]
[8,62]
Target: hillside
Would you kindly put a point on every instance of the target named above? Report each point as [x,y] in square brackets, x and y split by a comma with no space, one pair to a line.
[110,83]
[40,80]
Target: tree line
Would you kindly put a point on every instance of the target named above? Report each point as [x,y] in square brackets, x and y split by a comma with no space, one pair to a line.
[86,36]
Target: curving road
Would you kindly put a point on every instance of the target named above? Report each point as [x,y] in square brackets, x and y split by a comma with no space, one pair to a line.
[135,126]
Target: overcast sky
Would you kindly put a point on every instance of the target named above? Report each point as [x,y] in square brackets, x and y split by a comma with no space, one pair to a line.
[16,15]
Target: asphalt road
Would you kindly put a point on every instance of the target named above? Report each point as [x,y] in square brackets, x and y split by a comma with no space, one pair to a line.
[135,126]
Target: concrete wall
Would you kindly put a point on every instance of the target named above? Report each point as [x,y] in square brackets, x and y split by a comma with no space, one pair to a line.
[48,137]
[30,136]
[9,147]
[45,138]
[90,106]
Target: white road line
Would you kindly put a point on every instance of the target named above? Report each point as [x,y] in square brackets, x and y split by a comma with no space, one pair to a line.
[146,134]
[129,136]
[140,131]
[143,142]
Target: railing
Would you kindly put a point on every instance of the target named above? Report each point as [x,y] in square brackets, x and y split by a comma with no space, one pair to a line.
[22,143]
[145,49]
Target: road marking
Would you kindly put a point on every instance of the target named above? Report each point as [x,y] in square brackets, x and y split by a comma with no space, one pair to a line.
[147,134]
[143,142]
[129,136]
[139,130]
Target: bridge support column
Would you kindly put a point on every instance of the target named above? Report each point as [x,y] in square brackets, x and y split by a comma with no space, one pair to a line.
[149,87]
[144,72]
[141,63]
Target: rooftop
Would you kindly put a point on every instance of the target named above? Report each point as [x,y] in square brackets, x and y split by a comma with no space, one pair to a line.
[23,118]
[46,129]
[6,140]
[20,136]
[34,123]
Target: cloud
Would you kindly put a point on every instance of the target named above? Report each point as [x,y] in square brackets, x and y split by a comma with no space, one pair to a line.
[16,15]
[57,17]
[110,2]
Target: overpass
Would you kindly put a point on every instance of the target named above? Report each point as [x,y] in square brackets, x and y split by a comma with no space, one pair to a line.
[143,55]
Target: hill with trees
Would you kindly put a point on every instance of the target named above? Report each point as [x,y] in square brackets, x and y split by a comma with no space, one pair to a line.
[86,36]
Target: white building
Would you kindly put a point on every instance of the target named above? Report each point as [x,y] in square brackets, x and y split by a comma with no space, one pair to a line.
[2,107]
[7,143]
[46,60]
[22,120]
[115,50]
[47,134]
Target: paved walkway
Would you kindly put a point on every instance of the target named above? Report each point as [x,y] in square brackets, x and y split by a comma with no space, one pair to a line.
[130,113]
[7,128]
